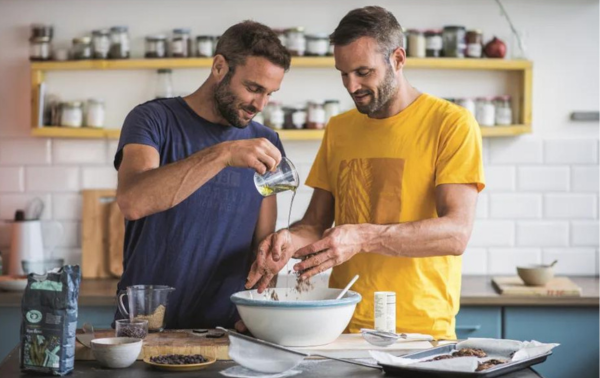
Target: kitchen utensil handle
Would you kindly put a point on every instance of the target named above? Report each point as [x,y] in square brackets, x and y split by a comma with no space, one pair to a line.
[348,361]
[122,309]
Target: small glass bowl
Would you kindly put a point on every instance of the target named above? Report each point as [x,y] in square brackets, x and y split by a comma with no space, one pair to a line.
[131,328]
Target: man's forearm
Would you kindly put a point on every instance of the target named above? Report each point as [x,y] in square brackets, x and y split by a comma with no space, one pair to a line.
[162,188]
[431,237]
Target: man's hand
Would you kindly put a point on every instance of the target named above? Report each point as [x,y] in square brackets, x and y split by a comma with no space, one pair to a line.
[258,154]
[273,254]
[337,246]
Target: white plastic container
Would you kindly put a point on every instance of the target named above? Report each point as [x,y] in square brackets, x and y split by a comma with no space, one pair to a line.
[385,311]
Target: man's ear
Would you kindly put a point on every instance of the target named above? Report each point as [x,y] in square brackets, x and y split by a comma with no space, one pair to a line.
[398,58]
[220,67]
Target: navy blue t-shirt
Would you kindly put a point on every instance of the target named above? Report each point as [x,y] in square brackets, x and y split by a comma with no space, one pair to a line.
[203,246]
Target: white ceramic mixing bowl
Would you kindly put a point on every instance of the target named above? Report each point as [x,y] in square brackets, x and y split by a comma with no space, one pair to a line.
[297,319]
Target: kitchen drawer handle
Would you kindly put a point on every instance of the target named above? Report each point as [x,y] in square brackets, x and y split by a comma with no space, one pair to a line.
[469,328]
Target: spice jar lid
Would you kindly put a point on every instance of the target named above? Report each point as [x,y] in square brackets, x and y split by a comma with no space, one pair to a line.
[200,37]
[486,98]
[503,98]
[433,31]
[182,31]
[317,102]
[164,70]
[119,28]
[332,101]
[477,31]
[101,32]
[318,36]
[73,104]
[42,30]
[297,29]
[414,31]
[82,40]
[156,37]
[454,27]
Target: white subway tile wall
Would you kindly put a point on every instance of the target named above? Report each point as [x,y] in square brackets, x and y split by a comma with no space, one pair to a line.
[540,203]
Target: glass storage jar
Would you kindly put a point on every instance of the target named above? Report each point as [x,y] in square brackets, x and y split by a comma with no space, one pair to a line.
[95,113]
[503,110]
[119,42]
[433,43]
[332,108]
[485,111]
[416,44]
[82,48]
[316,115]
[474,44]
[72,114]
[317,44]
[299,116]
[276,116]
[454,41]
[205,46]
[181,44]
[295,41]
[100,43]
[156,46]
[40,48]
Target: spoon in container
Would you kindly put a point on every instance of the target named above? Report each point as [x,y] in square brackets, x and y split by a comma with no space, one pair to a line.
[340,295]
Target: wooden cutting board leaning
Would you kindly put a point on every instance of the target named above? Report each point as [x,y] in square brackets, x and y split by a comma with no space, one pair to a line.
[103,232]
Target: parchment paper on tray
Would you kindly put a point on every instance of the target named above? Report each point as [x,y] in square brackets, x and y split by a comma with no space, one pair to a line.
[509,350]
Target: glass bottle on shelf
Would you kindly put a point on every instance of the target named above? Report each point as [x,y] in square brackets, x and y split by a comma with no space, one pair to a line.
[164,87]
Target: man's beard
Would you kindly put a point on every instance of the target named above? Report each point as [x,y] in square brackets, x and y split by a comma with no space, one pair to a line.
[385,93]
[226,101]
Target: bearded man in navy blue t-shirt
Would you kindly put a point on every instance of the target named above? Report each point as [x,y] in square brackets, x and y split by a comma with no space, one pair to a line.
[186,168]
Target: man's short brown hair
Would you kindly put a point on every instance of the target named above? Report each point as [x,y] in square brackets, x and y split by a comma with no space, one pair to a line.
[372,21]
[250,38]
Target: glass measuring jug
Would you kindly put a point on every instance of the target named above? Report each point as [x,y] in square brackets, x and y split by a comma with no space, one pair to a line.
[284,177]
[146,302]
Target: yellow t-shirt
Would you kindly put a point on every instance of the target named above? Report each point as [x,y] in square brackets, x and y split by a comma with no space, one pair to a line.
[383,171]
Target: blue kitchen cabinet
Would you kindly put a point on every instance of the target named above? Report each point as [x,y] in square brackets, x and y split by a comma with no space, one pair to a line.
[479,322]
[10,324]
[574,328]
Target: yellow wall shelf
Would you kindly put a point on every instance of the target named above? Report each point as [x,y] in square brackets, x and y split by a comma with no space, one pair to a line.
[90,133]
[523,67]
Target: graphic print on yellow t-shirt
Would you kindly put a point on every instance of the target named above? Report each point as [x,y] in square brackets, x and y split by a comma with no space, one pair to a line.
[370,190]
[385,171]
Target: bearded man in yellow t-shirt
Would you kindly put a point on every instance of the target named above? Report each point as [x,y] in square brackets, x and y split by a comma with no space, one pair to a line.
[399,175]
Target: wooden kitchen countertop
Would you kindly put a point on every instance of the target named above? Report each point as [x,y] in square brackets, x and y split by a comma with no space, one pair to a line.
[476,291]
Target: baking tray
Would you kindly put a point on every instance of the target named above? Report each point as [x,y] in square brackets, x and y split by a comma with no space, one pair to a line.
[411,372]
